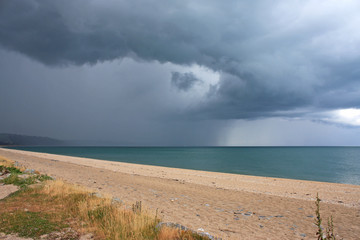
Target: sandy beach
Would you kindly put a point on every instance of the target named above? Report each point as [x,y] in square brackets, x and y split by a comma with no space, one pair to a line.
[229,206]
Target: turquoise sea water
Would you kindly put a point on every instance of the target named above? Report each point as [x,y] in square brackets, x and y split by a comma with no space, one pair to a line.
[327,164]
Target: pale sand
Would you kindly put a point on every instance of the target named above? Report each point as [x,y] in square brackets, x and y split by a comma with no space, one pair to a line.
[215,202]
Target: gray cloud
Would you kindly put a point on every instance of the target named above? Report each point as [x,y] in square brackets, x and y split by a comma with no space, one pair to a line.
[184,81]
[112,103]
[272,58]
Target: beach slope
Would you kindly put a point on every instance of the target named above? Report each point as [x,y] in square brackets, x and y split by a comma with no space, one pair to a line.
[226,205]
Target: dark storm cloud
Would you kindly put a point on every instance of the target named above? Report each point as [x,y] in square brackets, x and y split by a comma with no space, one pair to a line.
[272,57]
[184,81]
[112,103]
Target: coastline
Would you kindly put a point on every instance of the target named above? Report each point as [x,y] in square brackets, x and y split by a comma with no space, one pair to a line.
[300,163]
[216,202]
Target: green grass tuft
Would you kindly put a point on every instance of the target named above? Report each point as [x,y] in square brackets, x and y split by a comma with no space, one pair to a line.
[23,182]
[12,170]
[28,224]
[329,232]
[19,181]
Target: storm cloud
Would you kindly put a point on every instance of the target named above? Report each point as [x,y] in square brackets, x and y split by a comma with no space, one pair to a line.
[284,59]
[184,81]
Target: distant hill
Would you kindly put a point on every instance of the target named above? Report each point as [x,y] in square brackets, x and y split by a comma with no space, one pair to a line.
[23,140]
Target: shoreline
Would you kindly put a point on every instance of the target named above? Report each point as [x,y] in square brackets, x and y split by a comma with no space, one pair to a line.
[76,158]
[225,180]
[322,171]
[225,205]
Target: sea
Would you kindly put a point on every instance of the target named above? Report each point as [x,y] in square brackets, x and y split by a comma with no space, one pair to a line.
[325,164]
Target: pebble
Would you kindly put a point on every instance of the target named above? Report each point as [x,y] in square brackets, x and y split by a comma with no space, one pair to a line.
[66,233]
[310,216]
[302,234]
[12,237]
[171,225]
[24,176]
[261,226]
[4,176]
[31,171]
[45,236]
[178,226]
[96,194]
[87,236]
[116,200]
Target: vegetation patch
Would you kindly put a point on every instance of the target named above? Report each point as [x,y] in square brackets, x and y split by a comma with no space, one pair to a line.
[8,169]
[175,233]
[52,207]
[16,176]
[328,234]
[6,162]
[15,179]
[56,205]
[28,224]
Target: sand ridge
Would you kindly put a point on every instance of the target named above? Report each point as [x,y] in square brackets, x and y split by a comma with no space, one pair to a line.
[227,205]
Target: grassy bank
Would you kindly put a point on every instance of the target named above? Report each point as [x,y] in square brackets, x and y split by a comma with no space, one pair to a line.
[46,209]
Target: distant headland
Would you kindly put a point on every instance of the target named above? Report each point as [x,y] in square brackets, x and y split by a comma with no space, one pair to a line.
[7,139]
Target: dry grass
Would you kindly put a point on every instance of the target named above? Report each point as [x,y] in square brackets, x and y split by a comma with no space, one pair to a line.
[9,163]
[115,222]
[100,215]
[61,189]
[167,233]
[83,211]
[6,162]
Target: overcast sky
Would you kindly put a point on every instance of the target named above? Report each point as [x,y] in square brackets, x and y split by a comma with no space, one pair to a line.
[182,72]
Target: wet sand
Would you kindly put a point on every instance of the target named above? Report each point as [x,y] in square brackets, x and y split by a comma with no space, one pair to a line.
[229,206]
